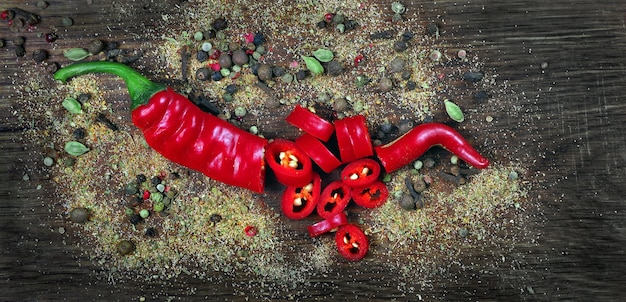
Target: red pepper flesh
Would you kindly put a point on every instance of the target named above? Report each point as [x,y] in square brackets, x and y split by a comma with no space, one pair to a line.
[418,140]
[371,196]
[176,128]
[351,242]
[316,150]
[361,172]
[327,224]
[299,202]
[353,138]
[290,164]
[310,123]
[334,199]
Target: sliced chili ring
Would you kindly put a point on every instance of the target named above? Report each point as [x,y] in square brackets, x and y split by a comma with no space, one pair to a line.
[351,242]
[327,224]
[315,149]
[334,199]
[311,123]
[353,138]
[291,165]
[360,172]
[299,202]
[371,196]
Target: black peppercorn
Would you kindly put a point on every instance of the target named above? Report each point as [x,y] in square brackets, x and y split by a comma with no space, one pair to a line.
[334,68]
[321,24]
[151,232]
[141,178]
[39,55]
[219,23]
[83,97]
[134,219]
[18,41]
[215,218]
[301,75]
[231,88]
[95,46]
[20,51]
[411,85]
[202,74]
[278,71]
[216,76]
[209,34]
[400,46]
[79,133]
[155,180]
[202,56]
[258,39]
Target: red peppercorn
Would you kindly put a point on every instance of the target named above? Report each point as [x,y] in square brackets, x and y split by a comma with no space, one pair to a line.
[215,54]
[50,37]
[329,17]
[358,60]
[4,14]
[146,195]
[250,231]
[215,66]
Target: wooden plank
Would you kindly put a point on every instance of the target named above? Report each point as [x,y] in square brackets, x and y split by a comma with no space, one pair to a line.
[572,122]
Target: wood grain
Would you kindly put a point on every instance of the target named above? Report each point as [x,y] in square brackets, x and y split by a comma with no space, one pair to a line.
[573,124]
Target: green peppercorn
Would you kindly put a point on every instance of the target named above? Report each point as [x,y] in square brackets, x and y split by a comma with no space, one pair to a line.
[67,21]
[125,247]
[42,4]
[158,206]
[156,197]
[18,41]
[144,213]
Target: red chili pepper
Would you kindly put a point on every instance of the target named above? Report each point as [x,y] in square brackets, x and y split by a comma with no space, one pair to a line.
[290,164]
[361,172]
[310,123]
[371,196]
[351,242]
[334,199]
[4,14]
[176,128]
[299,202]
[316,150]
[328,224]
[358,60]
[418,140]
[353,138]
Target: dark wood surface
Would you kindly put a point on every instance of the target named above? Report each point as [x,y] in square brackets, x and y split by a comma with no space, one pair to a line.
[570,114]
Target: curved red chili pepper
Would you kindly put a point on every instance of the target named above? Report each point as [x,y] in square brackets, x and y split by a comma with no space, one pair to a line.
[327,224]
[361,172]
[315,149]
[310,123]
[418,140]
[299,202]
[334,199]
[290,164]
[351,242]
[176,128]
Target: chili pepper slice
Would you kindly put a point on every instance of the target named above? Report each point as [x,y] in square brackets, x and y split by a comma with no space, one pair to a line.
[290,164]
[334,199]
[361,172]
[177,129]
[316,150]
[299,202]
[311,123]
[371,196]
[327,224]
[353,138]
[351,242]
[418,140]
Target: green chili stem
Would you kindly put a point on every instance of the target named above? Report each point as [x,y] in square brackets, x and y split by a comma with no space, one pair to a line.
[139,87]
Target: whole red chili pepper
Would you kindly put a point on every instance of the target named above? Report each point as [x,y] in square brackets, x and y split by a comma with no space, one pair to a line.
[176,128]
[418,140]
[351,242]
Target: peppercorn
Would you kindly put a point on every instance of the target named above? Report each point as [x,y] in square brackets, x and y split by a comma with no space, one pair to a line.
[258,39]
[39,55]
[278,71]
[50,37]
[79,133]
[231,88]
[155,180]
[472,76]
[240,57]
[134,219]
[400,46]
[411,85]
[141,178]
[397,65]
[407,36]
[264,72]
[209,34]
[18,41]
[407,202]
[385,85]
[216,76]
[202,74]
[95,46]
[321,24]
[215,218]
[334,68]
[125,247]
[83,97]
[131,188]
[20,51]
[350,24]
[433,29]
[151,232]
[144,213]
[219,23]
[79,215]
[225,60]
[42,4]
[301,74]
[1,43]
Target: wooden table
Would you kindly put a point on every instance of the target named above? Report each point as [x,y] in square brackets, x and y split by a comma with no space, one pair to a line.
[563,62]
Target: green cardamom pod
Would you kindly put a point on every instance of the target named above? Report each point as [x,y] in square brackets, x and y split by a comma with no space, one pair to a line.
[76,54]
[313,65]
[454,111]
[72,105]
[323,55]
[75,148]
